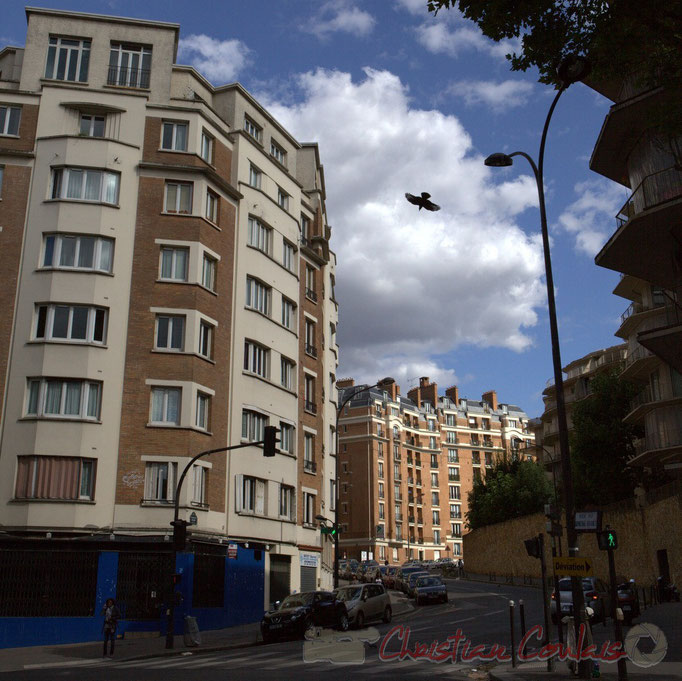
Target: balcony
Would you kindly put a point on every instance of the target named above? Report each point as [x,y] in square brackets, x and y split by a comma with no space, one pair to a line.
[434,464]
[487,442]
[310,407]
[453,478]
[309,466]
[420,520]
[647,217]
[455,515]
[128,77]
[638,364]
[410,519]
[310,350]
[662,445]
[665,340]
[311,295]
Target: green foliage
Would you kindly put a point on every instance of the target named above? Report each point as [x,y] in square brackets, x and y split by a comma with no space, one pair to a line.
[510,489]
[601,443]
[642,39]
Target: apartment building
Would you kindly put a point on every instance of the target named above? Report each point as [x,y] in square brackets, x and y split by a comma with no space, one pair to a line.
[645,249]
[407,465]
[168,289]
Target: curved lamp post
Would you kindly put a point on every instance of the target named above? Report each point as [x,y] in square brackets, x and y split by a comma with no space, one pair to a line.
[339,409]
[571,70]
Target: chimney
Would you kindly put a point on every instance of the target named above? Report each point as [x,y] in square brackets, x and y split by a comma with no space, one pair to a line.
[345,383]
[392,388]
[453,393]
[491,398]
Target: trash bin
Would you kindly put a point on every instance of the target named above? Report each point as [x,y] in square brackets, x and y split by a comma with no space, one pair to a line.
[192,637]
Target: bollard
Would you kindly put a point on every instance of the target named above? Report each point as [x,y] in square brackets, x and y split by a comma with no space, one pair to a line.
[522,617]
[511,627]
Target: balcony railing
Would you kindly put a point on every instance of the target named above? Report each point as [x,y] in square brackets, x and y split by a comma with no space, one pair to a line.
[455,515]
[453,478]
[640,352]
[660,187]
[663,438]
[128,77]
[310,407]
[410,519]
[310,350]
[309,466]
[311,295]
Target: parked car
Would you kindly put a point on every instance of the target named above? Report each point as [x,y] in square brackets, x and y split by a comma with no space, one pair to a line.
[365,602]
[595,592]
[402,576]
[412,580]
[351,569]
[429,589]
[628,602]
[389,576]
[366,565]
[298,612]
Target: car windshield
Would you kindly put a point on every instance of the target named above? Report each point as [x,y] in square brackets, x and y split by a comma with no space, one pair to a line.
[296,601]
[565,585]
[428,581]
[348,594]
[414,576]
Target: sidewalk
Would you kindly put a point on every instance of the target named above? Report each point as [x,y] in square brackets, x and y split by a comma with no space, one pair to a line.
[537,671]
[77,654]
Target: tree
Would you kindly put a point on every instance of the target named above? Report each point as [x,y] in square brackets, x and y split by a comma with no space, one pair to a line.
[602,443]
[510,489]
[640,39]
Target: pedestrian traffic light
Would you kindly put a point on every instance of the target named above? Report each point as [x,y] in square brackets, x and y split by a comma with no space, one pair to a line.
[270,441]
[179,534]
[607,540]
[532,547]
[328,529]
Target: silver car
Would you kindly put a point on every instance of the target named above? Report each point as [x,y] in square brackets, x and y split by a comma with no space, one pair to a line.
[365,602]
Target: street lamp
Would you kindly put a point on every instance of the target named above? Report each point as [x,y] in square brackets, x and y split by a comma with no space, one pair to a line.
[571,70]
[339,409]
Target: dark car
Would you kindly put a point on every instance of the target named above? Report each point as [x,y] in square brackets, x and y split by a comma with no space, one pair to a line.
[595,592]
[402,576]
[412,581]
[298,612]
[430,589]
[628,601]
[389,576]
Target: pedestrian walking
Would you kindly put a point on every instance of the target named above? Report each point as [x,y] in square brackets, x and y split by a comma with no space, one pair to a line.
[111,617]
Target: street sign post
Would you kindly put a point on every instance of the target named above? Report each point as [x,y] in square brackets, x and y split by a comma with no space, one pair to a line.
[573,567]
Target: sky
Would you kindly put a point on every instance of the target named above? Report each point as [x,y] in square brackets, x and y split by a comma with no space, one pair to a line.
[402,101]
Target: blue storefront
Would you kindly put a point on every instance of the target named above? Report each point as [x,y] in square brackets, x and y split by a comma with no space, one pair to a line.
[54,592]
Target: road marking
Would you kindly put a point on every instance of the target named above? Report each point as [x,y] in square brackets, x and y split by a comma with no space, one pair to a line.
[494,612]
[73,663]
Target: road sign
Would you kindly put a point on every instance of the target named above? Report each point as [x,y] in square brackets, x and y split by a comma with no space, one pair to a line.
[569,567]
[232,550]
[588,521]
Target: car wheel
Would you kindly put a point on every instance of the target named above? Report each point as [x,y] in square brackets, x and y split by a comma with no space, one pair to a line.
[343,622]
[445,598]
[388,613]
[307,624]
[359,620]
[268,638]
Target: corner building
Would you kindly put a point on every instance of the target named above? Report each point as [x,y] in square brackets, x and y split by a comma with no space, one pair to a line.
[407,465]
[168,289]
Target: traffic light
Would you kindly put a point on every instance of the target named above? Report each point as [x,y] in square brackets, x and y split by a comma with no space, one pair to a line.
[532,547]
[179,534]
[270,441]
[328,529]
[607,540]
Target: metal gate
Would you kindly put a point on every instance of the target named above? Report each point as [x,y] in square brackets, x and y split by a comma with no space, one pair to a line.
[143,581]
[308,578]
[280,577]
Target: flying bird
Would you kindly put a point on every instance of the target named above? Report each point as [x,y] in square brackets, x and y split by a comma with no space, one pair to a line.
[422,201]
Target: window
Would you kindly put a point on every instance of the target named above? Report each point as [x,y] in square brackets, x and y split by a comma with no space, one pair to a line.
[67,59]
[381,490]
[71,323]
[434,479]
[476,458]
[453,456]
[288,313]
[2,172]
[92,126]
[310,397]
[434,460]
[398,534]
[308,508]
[432,441]
[488,459]
[55,477]
[282,198]
[396,492]
[129,65]
[251,494]
[206,340]
[382,512]
[166,406]
[457,549]
[256,359]
[456,529]
[259,236]
[436,517]
[257,296]
[174,137]
[9,120]
[78,252]
[310,283]
[396,471]
[174,263]
[398,511]
[278,153]
[289,256]
[170,332]
[202,411]
[252,129]
[288,372]
[287,506]
[286,438]
[454,492]
[305,229]
[451,436]
[381,469]
[453,473]
[208,272]
[199,485]
[63,398]
[309,453]
[206,147]
[435,498]
[82,184]
[450,420]
[255,177]
[436,536]
[332,495]
[253,424]
[455,510]
[178,197]
[212,206]
[512,423]
[310,338]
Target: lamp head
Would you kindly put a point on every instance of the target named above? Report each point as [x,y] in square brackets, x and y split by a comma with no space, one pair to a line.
[499,160]
[573,68]
[388,379]
[320,517]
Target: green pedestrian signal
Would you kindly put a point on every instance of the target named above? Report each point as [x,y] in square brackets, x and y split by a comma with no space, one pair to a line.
[325,529]
[607,540]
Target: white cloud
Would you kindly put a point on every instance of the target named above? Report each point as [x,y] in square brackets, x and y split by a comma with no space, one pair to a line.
[498,96]
[413,285]
[218,60]
[591,217]
[414,6]
[340,16]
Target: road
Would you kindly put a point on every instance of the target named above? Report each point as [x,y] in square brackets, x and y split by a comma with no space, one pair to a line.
[479,611]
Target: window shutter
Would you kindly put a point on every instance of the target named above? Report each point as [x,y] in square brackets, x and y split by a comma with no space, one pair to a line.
[239,492]
[260,497]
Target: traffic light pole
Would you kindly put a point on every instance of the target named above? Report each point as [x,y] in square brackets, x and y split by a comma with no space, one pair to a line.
[622,668]
[180,526]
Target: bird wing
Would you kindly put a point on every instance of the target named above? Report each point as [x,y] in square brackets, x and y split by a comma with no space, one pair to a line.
[430,205]
[426,195]
[412,199]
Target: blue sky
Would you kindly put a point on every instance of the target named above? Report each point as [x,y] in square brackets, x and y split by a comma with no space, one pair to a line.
[401,101]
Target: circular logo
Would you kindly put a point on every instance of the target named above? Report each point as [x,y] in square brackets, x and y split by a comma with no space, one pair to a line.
[643,631]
